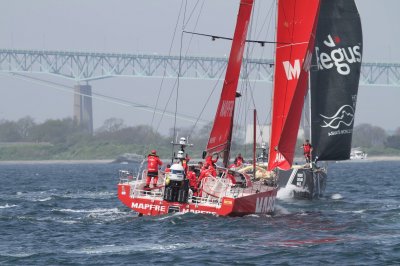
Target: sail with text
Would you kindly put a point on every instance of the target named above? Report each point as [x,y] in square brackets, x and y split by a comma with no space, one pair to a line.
[221,133]
[334,82]
[296,26]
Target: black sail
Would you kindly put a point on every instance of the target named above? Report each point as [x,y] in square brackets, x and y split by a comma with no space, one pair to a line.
[334,79]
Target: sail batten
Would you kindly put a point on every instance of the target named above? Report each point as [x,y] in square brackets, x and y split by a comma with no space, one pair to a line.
[296,27]
[221,132]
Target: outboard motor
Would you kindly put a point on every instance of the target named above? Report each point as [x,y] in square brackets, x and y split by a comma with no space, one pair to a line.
[176,186]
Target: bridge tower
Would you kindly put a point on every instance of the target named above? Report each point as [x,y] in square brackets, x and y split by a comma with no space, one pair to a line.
[83,113]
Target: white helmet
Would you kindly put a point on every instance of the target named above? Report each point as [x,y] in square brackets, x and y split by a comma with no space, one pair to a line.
[263,145]
[182,141]
[177,172]
[180,155]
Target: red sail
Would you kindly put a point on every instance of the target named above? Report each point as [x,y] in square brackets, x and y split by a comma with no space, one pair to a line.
[221,132]
[296,26]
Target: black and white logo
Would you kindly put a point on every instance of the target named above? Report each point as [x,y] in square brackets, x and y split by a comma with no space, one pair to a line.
[331,55]
[344,116]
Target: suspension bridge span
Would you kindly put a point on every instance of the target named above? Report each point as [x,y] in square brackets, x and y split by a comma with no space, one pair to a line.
[88,66]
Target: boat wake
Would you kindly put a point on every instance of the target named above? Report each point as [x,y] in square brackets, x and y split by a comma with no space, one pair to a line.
[336,196]
[288,192]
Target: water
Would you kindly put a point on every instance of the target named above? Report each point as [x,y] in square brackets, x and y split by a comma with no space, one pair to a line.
[69,214]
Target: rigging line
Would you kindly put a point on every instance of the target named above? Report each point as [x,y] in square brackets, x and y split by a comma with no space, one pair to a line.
[270,15]
[214,37]
[191,13]
[249,52]
[208,100]
[180,66]
[179,74]
[165,69]
[216,83]
[175,84]
[195,27]
[97,96]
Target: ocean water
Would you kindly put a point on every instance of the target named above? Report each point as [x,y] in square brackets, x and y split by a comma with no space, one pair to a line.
[69,214]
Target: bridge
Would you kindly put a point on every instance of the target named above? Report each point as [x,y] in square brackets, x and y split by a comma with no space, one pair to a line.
[87,66]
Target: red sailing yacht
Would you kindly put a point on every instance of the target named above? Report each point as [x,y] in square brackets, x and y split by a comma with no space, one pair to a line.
[295,38]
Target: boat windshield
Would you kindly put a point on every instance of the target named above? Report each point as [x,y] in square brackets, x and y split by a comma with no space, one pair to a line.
[177,172]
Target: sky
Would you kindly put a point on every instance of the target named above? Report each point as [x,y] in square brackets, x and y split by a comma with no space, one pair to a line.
[147,27]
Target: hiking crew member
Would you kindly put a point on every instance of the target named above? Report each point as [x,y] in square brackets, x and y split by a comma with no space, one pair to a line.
[153,163]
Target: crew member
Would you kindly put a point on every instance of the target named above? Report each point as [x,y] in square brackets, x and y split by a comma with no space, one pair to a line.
[239,160]
[184,160]
[191,176]
[307,149]
[211,161]
[207,170]
[237,163]
[167,169]
[153,163]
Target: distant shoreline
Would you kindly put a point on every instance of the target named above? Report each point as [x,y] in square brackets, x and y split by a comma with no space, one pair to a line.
[107,161]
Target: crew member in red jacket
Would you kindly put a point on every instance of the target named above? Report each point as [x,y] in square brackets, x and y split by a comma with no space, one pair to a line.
[153,163]
[239,161]
[191,176]
[307,148]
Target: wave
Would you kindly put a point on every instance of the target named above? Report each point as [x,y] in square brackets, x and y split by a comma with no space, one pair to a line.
[17,254]
[336,196]
[41,196]
[127,249]
[7,206]
[96,210]
[353,211]
[89,195]
[98,214]
[44,199]
[280,210]
[288,192]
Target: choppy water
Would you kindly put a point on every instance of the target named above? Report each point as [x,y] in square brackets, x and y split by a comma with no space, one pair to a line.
[70,214]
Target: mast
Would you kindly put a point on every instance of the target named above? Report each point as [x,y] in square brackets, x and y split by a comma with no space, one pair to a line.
[296,28]
[254,141]
[221,133]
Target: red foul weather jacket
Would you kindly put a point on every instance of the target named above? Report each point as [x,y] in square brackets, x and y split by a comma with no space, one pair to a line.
[153,162]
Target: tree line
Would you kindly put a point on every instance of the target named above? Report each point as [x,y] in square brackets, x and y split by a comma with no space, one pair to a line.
[65,139]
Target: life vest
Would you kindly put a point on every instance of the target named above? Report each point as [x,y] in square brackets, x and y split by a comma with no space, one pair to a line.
[210,171]
[239,161]
[153,162]
[191,176]
[307,148]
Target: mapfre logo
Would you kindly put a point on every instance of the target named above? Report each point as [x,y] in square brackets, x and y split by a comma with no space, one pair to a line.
[279,158]
[341,58]
[227,108]
[292,71]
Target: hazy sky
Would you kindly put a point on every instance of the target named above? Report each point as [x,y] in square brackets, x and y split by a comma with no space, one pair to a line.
[133,26]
